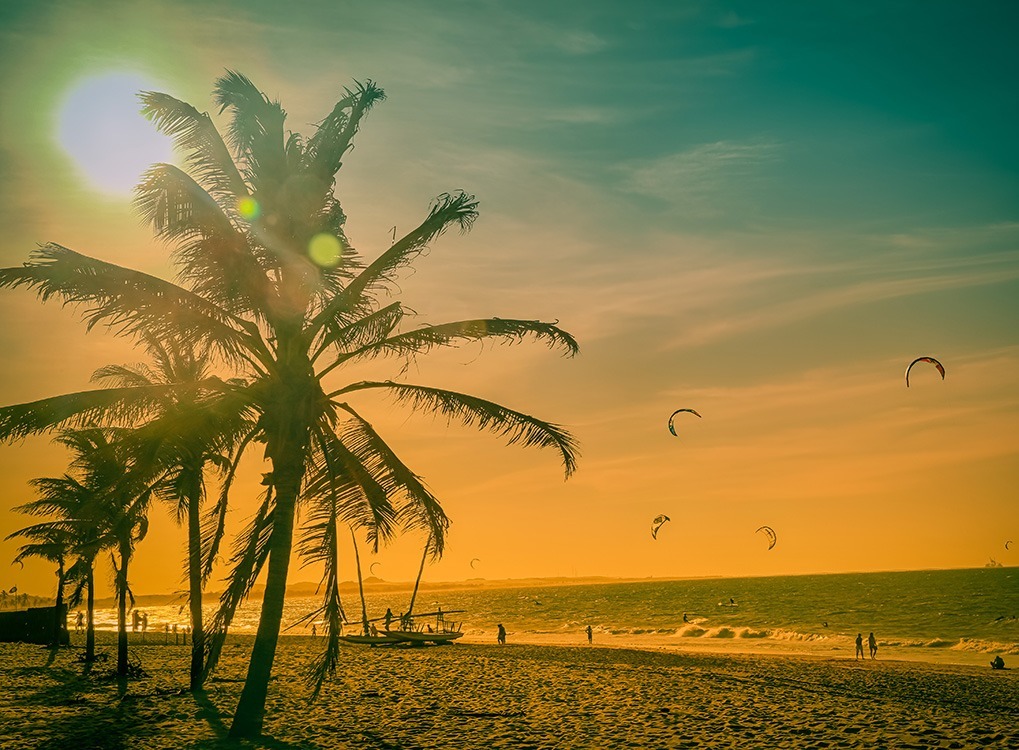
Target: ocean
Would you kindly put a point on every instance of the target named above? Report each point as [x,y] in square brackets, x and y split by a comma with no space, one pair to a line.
[955,616]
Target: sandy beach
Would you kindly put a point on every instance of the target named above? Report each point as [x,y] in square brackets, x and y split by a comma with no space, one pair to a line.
[517,696]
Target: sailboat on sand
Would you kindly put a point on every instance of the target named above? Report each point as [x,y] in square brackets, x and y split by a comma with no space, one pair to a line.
[409,632]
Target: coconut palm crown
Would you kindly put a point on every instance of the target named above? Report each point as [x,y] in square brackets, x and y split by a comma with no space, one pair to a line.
[268,281]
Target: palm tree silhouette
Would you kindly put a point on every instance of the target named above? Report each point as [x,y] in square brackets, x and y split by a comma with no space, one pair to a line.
[51,542]
[117,506]
[184,436]
[247,231]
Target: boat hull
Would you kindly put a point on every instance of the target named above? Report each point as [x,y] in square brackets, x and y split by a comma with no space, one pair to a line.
[418,638]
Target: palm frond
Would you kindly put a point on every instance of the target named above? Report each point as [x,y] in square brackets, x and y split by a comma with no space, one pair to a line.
[250,553]
[473,411]
[363,332]
[423,339]
[214,525]
[127,301]
[332,138]
[195,134]
[417,508]
[456,209]
[256,127]
[211,246]
[340,488]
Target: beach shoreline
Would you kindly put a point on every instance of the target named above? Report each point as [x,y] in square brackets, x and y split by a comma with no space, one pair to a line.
[473,695]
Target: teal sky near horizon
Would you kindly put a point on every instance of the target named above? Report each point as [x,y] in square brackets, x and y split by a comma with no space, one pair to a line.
[761,211]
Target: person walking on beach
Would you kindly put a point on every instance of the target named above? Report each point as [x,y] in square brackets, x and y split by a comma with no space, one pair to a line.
[389,617]
[502,635]
[859,645]
[872,643]
[79,622]
[590,635]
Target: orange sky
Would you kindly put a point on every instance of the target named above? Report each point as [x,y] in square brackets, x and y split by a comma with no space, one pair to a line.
[775,271]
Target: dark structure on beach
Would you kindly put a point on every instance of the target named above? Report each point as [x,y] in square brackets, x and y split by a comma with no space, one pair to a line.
[33,625]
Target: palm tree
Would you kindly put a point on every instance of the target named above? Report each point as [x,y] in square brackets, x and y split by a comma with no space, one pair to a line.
[270,283]
[120,508]
[180,448]
[78,504]
[50,542]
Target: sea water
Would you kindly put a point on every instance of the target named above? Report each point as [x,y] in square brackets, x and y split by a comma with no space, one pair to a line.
[938,615]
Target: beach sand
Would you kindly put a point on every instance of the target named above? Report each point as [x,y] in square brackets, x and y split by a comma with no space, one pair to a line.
[515,696]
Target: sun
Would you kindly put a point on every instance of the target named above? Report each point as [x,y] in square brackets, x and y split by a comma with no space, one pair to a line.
[100,127]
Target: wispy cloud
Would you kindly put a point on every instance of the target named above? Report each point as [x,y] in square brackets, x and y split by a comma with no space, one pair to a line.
[702,179]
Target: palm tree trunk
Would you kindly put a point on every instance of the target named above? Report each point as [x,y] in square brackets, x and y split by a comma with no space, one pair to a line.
[360,584]
[90,624]
[250,712]
[125,556]
[58,626]
[195,584]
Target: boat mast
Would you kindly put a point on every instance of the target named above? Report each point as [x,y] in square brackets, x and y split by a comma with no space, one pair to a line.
[421,570]
[360,583]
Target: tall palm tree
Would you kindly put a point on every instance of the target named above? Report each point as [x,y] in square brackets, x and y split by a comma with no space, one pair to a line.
[270,282]
[181,446]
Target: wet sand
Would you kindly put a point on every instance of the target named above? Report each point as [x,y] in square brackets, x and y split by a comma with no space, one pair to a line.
[516,696]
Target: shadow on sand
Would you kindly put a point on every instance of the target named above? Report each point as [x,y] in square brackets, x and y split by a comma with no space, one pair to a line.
[80,706]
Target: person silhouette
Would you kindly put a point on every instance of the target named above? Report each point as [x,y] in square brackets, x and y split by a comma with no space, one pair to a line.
[859,645]
[872,643]
[502,635]
[389,617]
[590,635]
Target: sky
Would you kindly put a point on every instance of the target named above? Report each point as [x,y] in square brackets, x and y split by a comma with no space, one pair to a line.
[763,212]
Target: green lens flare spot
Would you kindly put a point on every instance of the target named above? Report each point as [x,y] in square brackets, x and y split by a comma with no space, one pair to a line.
[249,209]
[325,250]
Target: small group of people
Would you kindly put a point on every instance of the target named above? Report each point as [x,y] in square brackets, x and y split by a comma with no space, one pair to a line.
[871,642]
[139,621]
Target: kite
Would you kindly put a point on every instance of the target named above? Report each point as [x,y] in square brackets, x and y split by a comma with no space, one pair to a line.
[772,536]
[476,559]
[941,367]
[672,426]
[1008,543]
[657,524]
[371,568]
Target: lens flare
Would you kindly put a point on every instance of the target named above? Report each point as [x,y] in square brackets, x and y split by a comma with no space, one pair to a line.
[249,209]
[324,249]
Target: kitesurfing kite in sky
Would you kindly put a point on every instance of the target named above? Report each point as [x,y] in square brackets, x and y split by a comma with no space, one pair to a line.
[941,367]
[770,533]
[1008,543]
[672,426]
[474,560]
[657,524]
[371,568]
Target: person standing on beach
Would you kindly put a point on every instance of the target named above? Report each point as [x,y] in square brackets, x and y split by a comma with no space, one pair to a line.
[872,642]
[859,645]
[590,635]
[502,635]
[389,617]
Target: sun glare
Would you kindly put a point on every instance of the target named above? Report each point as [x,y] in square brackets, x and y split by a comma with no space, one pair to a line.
[101,128]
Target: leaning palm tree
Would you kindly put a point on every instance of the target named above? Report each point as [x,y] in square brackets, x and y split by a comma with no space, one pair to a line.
[268,281]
